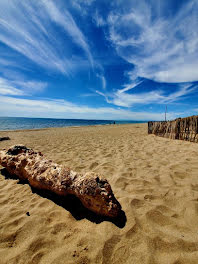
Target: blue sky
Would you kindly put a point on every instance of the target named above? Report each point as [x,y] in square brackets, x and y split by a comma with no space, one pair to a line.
[99,59]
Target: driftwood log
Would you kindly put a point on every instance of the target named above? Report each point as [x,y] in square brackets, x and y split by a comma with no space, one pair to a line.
[94,193]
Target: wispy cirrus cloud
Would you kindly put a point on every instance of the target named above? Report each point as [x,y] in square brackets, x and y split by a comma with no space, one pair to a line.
[99,21]
[130,86]
[162,47]
[20,87]
[32,29]
[8,89]
[31,87]
[103,80]
[81,6]
[123,98]
[66,20]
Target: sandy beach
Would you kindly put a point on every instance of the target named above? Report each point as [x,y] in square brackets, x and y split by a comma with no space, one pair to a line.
[155,180]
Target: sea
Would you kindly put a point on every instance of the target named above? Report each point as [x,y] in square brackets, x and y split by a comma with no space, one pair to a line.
[20,123]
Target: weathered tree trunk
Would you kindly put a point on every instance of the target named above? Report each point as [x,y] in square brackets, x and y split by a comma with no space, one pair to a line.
[94,193]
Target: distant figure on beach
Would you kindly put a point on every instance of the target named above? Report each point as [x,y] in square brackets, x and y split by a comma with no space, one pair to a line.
[114,122]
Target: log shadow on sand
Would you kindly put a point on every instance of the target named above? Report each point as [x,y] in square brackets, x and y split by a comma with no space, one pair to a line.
[72,204]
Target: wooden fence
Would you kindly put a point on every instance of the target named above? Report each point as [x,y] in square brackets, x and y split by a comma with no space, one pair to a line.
[180,128]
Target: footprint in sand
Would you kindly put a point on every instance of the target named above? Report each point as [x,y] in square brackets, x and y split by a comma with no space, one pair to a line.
[158,218]
[137,203]
[108,248]
[93,165]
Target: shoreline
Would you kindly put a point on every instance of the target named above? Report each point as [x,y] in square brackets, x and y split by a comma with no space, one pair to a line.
[46,128]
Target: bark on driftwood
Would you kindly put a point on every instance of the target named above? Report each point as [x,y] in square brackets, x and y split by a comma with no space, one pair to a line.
[94,193]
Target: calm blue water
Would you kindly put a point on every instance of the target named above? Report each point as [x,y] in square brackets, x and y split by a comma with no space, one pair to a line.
[15,123]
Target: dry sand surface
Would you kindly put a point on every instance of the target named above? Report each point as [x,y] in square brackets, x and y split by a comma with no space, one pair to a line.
[155,180]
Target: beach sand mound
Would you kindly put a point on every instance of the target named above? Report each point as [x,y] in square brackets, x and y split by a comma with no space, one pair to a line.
[154,179]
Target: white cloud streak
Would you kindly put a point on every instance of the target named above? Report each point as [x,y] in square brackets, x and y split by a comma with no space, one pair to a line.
[7,89]
[20,87]
[10,106]
[99,21]
[124,99]
[31,87]
[103,81]
[67,22]
[130,86]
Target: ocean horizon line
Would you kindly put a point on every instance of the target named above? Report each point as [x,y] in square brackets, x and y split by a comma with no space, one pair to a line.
[28,123]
